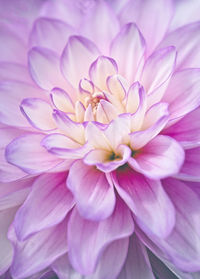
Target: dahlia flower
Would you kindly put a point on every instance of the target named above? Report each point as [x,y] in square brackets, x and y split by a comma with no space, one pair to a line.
[100,139]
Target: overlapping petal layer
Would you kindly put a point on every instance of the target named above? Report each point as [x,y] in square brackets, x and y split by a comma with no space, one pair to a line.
[100,139]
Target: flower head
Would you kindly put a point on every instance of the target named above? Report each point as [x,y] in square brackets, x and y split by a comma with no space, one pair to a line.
[99,109]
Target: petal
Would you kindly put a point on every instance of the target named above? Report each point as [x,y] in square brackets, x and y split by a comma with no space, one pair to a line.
[151,206]
[39,251]
[136,102]
[62,100]
[111,260]
[106,112]
[118,131]
[76,59]
[183,245]
[79,111]
[13,48]
[190,169]
[15,72]
[89,116]
[26,153]
[11,95]
[100,25]
[148,15]
[14,193]
[95,198]
[39,113]
[187,130]
[186,40]
[101,69]
[63,269]
[67,11]
[117,5]
[93,237]
[50,195]
[186,12]
[141,138]
[183,93]
[103,159]
[154,113]
[95,136]
[117,86]
[128,49]
[137,262]
[8,172]
[160,158]
[72,129]
[64,147]
[158,69]
[44,68]
[108,266]
[50,33]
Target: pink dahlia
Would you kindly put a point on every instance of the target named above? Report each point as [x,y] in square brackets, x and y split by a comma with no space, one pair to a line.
[100,139]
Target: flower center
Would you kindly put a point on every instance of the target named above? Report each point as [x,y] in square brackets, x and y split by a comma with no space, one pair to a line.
[94,100]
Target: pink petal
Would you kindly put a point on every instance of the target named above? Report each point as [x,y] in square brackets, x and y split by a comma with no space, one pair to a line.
[94,196]
[11,95]
[63,268]
[160,158]
[15,198]
[62,100]
[44,68]
[137,262]
[187,130]
[182,246]
[151,206]
[50,195]
[108,266]
[39,113]
[76,59]
[50,33]
[128,42]
[92,238]
[190,169]
[100,25]
[26,153]
[39,251]
[148,15]
[187,42]
[183,93]
[111,260]
[101,69]
[157,70]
